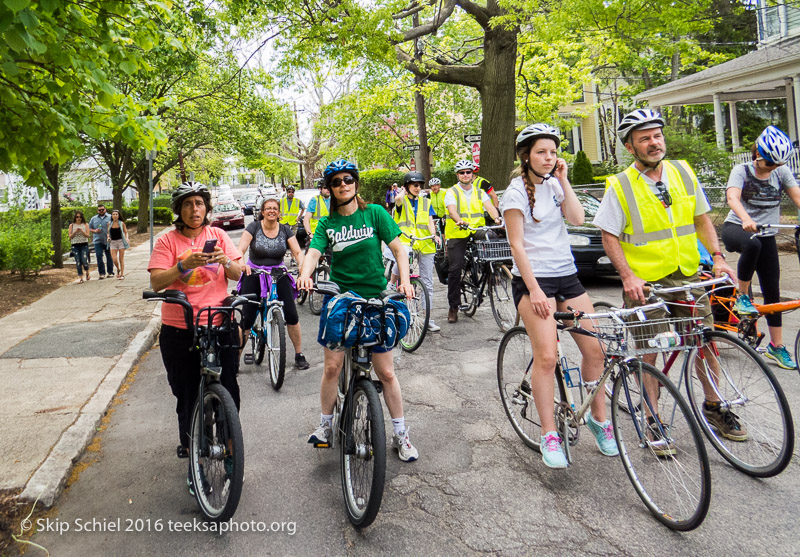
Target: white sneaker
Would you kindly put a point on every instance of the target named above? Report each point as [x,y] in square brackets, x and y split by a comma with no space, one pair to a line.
[405,450]
[433,327]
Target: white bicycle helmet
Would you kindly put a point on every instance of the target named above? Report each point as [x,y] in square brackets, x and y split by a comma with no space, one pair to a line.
[774,145]
[434,182]
[640,119]
[464,165]
[535,131]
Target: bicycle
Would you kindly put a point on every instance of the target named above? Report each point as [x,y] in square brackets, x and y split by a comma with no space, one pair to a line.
[745,326]
[659,442]
[216,447]
[268,334]
[418,306]
[486,266]
[322,272]
[727,368]
[357,424]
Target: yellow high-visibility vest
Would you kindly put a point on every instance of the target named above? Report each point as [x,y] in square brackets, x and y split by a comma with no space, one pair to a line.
[469,208]
[290,212]
[653,246]
[437,201]
[415,224]
[320,211]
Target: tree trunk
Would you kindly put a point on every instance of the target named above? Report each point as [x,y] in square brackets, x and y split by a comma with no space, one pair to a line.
[51,171]
[140,178]
[498,106]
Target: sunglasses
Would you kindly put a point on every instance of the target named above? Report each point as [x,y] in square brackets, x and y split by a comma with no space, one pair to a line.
[663,194]
[336,182]
[464,172]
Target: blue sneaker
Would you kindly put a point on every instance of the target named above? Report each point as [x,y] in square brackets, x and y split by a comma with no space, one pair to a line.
[744,306]
[603,435]
[781,356]
[552,455]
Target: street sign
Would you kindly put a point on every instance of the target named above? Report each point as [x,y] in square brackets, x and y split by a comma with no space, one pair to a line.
[472,138]
[411,147]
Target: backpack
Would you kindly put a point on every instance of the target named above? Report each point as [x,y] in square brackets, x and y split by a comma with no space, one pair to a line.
[346,321]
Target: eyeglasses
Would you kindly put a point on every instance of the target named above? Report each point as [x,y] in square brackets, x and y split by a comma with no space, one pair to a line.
[101,210]
[663,194]
[336,182]
[464,172]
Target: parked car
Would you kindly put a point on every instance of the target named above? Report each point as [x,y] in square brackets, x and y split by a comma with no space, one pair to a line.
[586,241]
[227,215]
[248,201]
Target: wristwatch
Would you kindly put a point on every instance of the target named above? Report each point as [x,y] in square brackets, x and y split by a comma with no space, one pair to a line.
[722,255]
[229,263]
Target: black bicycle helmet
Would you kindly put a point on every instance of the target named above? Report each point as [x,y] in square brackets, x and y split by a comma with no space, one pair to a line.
[413,176]
[188,189]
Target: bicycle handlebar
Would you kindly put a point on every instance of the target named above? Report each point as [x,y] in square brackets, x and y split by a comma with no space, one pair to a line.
[614,313]
[658,289]
[417,238]
[485,227]
[332,289]
[179,297]
[763,228]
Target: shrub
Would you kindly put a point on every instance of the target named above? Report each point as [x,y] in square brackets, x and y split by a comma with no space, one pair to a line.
[373,184]
[582,172]
[25,245]
[711,164]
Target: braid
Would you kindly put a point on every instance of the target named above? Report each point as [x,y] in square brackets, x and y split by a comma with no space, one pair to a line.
[530,187]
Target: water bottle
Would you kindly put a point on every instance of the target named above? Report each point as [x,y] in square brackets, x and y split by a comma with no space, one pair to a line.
[665,340]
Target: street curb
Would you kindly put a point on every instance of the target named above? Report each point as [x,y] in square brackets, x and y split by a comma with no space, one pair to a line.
[51,476]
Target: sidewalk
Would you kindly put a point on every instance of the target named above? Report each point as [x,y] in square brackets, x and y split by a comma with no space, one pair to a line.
[62,360]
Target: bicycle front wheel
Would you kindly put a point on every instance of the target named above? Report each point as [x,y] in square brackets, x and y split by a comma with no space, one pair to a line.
[363,455]
[751,398]
[469,292]
[315,298]
[503,308]
[661,446]
[276,348]
[420,316]
[216,452]
[258,340]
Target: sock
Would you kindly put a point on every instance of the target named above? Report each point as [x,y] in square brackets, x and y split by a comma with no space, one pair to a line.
[711,405]
[327,418]
[399,425]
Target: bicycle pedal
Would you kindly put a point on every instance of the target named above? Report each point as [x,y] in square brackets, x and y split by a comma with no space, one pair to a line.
[248,359]
[183,452]
[463,307]
[321,445]
[378,385]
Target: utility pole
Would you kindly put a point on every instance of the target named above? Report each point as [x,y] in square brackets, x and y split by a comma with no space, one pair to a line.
[424,158]
[297,132]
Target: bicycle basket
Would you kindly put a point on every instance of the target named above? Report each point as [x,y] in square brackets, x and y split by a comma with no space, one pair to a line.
[493,250]
[635,337]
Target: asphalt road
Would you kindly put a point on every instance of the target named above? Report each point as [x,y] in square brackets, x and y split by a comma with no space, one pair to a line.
[476,488]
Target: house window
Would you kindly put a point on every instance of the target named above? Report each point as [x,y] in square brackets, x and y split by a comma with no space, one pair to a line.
[573,137]
[769,20]
[793,19]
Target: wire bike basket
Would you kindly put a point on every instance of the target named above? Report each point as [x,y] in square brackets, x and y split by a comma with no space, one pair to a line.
[634,336]
[493,250]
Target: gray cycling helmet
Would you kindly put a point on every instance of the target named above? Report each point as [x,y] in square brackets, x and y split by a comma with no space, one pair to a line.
[639,119]
[774,145]
[534,132]
[464,165]
[188,189]
[435,182]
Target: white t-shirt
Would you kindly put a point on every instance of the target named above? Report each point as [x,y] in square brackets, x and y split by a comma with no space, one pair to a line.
[611,218]
[546,242]
[450,196]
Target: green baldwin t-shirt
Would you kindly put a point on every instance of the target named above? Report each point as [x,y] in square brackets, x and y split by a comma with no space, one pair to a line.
[355,241]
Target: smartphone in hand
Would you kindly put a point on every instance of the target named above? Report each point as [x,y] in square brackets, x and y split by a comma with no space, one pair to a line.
[210,245]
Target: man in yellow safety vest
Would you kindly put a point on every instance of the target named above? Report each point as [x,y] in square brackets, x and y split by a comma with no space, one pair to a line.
[465,205]
[652,215]
[291,207]
[317,208]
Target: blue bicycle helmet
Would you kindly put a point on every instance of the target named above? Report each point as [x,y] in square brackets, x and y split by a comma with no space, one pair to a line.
[339,165]
[774,145]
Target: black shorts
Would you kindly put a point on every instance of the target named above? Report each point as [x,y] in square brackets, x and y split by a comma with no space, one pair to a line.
[569,287]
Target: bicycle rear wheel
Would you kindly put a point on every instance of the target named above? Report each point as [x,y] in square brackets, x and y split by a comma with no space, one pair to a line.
[276,340]
[514,363]
[363,455]
[469,292]
[748,389]
[301,297]
[664,457]
[420,316]
[315,298]
[216,451]
[503,308]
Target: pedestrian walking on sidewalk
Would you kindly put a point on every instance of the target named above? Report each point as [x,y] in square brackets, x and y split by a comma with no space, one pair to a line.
[79,239]
[178,262]
[99,228]
[118,242]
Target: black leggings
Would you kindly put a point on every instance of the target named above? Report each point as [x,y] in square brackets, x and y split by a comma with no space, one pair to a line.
[759,256]
[252,284]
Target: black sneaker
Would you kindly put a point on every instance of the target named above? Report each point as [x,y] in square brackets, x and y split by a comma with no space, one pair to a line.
[724,421]
[300,361]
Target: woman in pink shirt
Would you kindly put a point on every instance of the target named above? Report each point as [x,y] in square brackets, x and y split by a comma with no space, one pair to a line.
[178,262]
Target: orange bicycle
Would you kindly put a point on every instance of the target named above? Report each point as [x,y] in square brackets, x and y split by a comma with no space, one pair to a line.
[722,299]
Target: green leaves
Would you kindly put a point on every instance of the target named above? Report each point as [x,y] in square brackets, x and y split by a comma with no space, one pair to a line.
[16,5]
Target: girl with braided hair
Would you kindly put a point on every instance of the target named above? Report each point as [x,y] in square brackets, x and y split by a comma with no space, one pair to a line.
[534,207]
